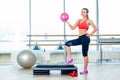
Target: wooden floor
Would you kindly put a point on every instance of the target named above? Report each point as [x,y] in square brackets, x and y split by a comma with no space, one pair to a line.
[96,72]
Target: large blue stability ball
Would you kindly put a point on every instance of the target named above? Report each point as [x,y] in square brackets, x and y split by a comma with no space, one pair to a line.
[26,58]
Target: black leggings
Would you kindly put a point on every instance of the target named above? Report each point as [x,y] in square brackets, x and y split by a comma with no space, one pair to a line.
[83,40]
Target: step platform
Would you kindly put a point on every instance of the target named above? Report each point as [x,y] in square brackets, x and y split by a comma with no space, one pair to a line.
[45,69]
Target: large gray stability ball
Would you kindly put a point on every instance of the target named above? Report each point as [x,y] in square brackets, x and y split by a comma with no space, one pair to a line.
[26,58]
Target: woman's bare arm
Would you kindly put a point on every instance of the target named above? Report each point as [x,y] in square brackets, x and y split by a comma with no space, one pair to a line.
[72,27]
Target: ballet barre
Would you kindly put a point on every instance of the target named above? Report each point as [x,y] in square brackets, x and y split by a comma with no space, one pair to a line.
[71,35]
[92,44]
[99,42]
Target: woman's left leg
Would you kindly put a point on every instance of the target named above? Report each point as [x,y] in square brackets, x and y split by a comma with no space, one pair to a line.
[85,47]
[86,60]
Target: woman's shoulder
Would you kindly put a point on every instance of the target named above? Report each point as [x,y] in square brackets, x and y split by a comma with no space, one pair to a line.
[89,20]
[78,20]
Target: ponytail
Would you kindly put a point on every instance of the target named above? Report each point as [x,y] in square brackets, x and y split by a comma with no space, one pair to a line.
[87,16]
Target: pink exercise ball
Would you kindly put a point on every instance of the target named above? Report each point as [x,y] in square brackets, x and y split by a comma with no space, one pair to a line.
[64,16]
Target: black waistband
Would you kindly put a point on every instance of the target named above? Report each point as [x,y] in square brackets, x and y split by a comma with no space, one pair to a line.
[82,35]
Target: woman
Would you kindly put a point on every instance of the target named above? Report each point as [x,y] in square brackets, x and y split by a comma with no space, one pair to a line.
[83,39]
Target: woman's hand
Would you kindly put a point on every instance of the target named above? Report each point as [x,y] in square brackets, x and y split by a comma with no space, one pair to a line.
[88,35]
[65,21]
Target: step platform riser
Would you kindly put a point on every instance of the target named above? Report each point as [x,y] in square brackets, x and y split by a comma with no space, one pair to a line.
[45,69]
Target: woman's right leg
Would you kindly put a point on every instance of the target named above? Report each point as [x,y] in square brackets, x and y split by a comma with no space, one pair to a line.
[69,55]
[68,49]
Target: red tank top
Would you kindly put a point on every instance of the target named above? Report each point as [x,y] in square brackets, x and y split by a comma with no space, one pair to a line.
[83,25]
